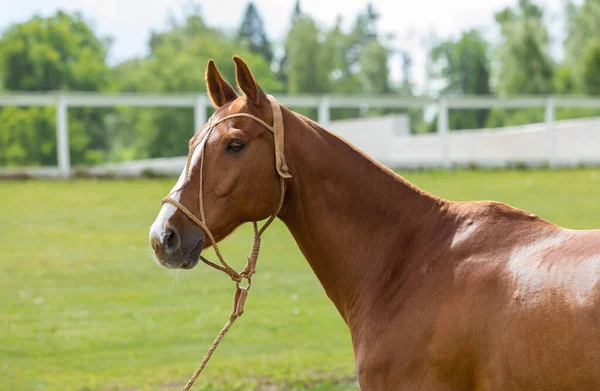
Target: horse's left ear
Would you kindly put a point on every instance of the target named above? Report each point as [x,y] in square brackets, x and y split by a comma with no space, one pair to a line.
[246,81]
[219,91]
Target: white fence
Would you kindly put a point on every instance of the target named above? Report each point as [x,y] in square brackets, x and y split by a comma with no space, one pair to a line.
[437,151]
[388,140]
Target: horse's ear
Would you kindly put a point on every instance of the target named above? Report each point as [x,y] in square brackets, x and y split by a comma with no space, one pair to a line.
[246,81]
[219,91]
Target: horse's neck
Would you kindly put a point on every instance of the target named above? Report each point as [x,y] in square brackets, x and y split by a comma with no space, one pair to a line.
[355,221]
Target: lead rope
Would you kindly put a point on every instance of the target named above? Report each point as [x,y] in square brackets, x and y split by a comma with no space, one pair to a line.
[241,293]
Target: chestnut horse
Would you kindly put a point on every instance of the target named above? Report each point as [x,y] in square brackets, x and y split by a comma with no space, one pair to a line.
[438,295]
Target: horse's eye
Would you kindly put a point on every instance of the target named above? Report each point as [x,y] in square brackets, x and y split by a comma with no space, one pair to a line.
[235,146]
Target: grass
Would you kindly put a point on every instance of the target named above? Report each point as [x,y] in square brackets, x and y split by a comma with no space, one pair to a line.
[84,307]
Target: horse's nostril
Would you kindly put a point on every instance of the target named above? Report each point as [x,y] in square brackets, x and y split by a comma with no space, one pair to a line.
[171,241]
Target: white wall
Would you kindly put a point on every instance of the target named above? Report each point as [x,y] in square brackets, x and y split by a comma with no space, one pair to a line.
[372,135]
[576,142]
[388,140]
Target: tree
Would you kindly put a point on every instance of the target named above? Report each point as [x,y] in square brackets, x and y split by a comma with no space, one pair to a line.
[364,30]
[27,136]
[368,53]
[463,66]
[283,62]
[60,52]
[564,80]
[252,35]
[305,57]
[308,65]
[524,65]
[524,62]
[374,73]
[55,53]
[591,69]
[297,13]
[407,79]
[336,44]
[583,30]
[176,64]
[334,60]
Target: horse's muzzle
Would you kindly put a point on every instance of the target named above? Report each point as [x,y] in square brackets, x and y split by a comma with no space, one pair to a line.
[174,249]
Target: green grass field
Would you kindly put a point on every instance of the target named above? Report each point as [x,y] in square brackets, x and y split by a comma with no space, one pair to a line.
[83,307]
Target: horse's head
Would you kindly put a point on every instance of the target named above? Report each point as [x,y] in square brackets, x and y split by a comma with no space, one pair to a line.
[230,176]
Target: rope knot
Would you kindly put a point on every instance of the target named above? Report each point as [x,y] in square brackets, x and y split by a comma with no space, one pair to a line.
[237,278]
[239,300]
[250,267]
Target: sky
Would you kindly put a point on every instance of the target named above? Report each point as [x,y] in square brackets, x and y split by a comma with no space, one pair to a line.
[414,24]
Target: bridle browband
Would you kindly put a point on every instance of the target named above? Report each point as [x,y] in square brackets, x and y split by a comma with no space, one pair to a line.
[241,293]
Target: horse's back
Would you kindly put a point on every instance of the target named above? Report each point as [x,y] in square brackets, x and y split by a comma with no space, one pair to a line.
[537,293]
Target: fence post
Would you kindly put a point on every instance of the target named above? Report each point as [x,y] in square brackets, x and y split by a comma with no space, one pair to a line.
[549,119]
[200,113]
[324,111]
[442,130]
[62,137]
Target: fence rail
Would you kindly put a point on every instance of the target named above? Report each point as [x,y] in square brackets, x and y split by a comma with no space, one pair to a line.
[323,104]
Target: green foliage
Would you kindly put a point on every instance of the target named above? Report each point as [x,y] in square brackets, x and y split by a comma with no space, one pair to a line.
[583,30]
[374,74]
[179,56]
[60,52]
[407,81]
[524,63]
[337,61]
[467,119]
[306,69]
[463,66]
[501,117]
[365,30]
[591,69]
[27,136]
[574,113]
[305,57]
[564,81]
[369,54]
[282,64]
[340,76]
[176,64]
[252,34]
[336,44]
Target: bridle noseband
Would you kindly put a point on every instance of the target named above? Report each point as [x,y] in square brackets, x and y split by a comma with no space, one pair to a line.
[241,293]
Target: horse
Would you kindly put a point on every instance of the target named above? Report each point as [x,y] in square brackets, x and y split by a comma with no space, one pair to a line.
[437,295]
